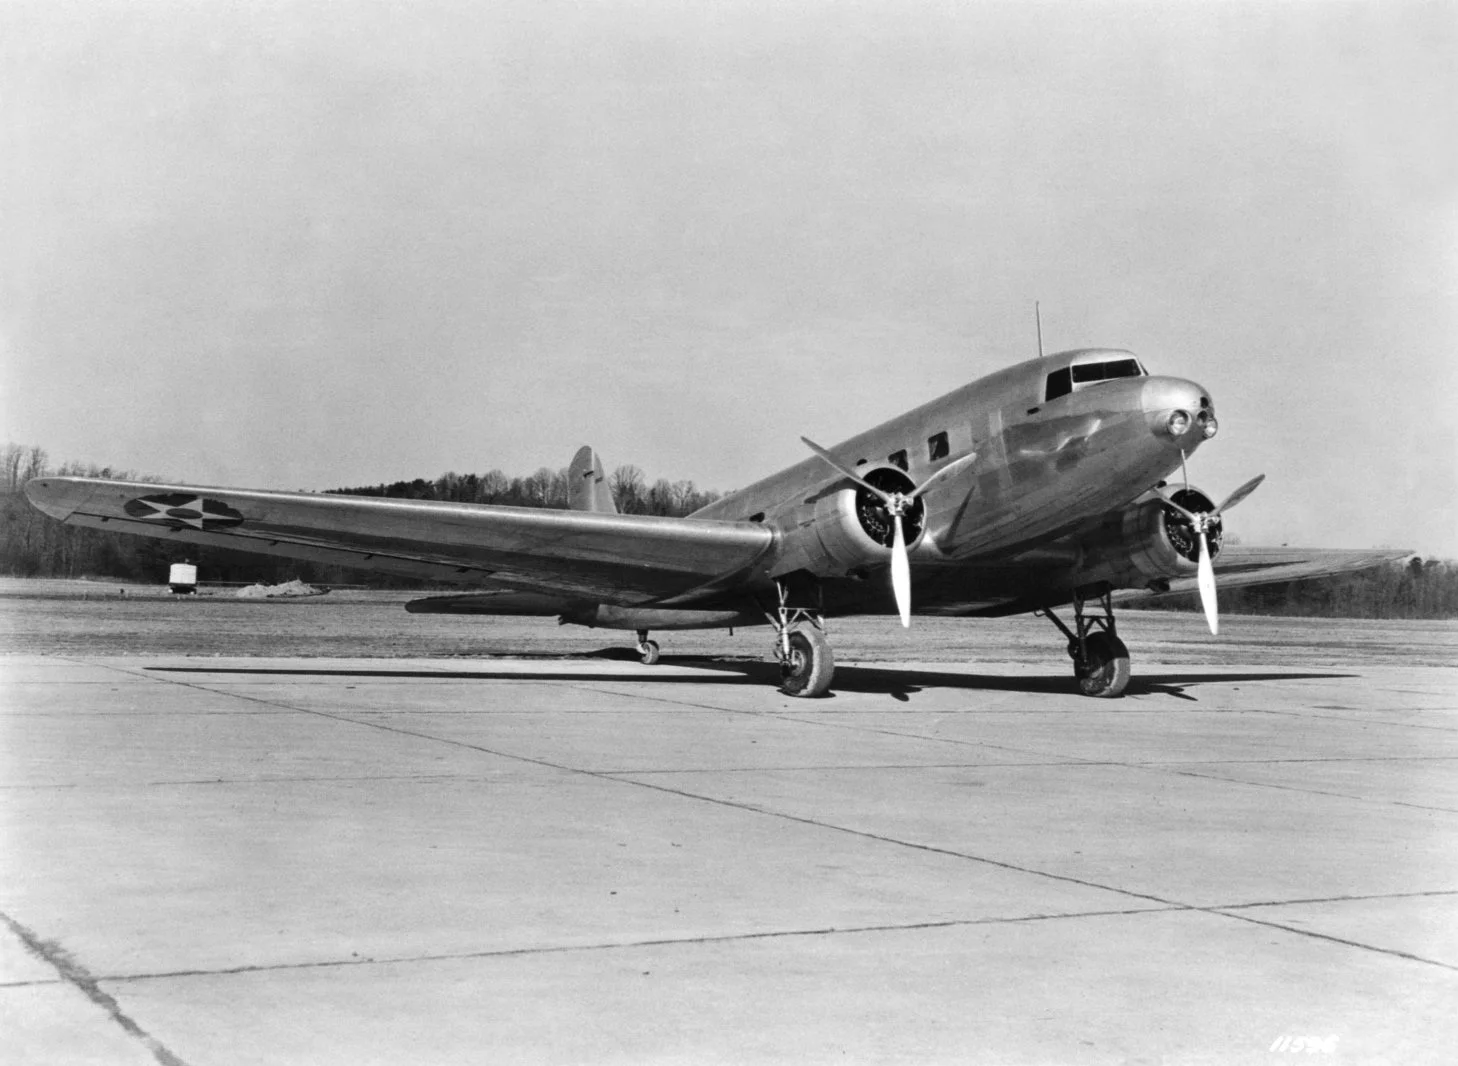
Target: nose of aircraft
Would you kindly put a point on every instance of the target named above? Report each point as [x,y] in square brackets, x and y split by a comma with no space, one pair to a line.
[1179,410]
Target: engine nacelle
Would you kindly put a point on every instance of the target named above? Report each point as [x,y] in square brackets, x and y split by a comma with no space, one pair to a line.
[851,527]
[1148,542]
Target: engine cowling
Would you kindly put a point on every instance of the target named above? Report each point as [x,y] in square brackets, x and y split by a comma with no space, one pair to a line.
[854,526]
[1150,541]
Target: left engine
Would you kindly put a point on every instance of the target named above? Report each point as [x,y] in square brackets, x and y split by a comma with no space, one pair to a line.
[1149,541]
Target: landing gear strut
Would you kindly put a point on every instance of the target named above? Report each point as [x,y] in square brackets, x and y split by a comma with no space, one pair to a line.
[648,649]
[1100,659]
[806,662]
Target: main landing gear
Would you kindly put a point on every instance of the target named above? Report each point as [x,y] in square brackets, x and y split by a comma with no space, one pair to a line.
[1100,659]
[806,662]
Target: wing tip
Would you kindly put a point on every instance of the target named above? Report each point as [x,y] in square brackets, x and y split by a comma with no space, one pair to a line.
[50,495]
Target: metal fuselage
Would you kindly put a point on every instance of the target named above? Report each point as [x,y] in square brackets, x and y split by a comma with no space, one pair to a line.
[1043,469]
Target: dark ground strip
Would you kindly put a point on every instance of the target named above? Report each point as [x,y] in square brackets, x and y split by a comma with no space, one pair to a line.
[73,973]
[836,828]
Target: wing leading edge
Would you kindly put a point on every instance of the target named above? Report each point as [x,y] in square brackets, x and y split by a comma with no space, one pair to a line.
[607,558]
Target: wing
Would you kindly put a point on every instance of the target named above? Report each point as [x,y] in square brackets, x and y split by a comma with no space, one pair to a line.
[1238,565]
[608,558]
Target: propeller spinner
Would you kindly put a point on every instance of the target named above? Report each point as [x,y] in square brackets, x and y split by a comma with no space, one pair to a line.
[897,504]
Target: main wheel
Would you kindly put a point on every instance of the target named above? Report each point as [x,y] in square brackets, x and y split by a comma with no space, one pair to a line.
[810,665]
[649,651]
[1105,672]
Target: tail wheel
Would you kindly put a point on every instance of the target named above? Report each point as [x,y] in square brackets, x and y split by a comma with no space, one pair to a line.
[1105,670]
[808,668]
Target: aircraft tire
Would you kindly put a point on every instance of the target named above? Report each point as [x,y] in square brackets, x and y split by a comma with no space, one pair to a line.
[811,665]
[648,650]
[1106,673]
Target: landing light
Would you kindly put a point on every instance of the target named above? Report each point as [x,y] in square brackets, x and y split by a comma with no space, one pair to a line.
[1179,421]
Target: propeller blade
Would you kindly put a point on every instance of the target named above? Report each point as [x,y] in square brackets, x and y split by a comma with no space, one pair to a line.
[901,574]
[1207,587]
[956,466]
[847,471]
[1239,494]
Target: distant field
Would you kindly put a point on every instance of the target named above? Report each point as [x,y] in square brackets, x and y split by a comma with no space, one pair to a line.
[92,618]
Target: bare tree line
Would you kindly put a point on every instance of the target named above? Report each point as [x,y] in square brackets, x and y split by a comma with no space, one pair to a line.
[547,488]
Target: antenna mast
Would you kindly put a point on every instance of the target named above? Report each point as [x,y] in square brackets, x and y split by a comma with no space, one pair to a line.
[1038,317]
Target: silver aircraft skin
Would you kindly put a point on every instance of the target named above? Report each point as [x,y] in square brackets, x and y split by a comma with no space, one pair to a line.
[1047,483]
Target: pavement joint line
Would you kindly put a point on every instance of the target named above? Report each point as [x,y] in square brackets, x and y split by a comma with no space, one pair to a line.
[1332,938]
[1337,899]
[141,714]
[846,767]
[863,834]
[669,700]
[1155,767]
[1346,718]
[77,976]
[1268,762]
[1298,788]
[621,945]
[891,927]
[490,775]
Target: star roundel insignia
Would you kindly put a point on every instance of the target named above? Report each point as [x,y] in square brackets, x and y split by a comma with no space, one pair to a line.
[183,510]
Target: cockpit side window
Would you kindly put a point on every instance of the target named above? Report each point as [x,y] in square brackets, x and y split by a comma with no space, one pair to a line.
[1062,382]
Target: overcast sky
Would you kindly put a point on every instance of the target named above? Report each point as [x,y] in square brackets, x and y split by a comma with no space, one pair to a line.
[306,245]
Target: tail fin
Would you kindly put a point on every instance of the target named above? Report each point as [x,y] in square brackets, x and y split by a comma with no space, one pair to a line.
[587,486]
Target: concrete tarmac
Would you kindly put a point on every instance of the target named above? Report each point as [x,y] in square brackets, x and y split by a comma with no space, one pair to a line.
[425,861]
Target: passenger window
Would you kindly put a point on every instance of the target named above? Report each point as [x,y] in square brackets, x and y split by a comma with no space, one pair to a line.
[1060,383]
[937,447]
[899,458]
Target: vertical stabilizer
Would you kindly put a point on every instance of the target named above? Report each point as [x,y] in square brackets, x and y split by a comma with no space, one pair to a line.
[587,486]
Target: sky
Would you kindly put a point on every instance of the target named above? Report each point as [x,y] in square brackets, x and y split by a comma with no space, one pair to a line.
[309,245]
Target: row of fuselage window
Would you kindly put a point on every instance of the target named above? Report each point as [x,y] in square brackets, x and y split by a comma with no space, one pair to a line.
[937,447]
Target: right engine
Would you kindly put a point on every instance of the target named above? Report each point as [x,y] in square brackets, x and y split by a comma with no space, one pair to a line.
[1149,541]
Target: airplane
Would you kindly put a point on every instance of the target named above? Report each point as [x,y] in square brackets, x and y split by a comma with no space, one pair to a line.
[1045,484]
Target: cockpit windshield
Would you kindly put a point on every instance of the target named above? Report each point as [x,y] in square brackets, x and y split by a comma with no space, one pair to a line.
[1090,372]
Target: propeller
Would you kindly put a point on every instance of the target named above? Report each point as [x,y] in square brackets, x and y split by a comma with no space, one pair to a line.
[897,504]
[1201,523]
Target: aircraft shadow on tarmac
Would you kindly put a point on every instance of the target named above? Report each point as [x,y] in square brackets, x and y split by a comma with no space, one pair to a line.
[899,683]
